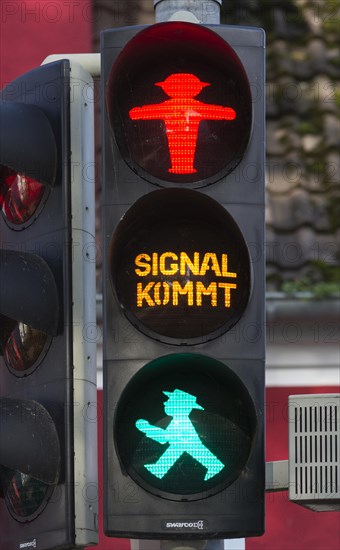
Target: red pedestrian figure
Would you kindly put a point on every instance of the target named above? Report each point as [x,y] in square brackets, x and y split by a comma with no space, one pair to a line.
[182,115]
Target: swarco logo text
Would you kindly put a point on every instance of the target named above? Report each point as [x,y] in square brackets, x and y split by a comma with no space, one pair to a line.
[29,544]
[199,525]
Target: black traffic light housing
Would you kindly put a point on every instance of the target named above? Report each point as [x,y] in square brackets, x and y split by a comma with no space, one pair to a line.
[183,281]
[47,369]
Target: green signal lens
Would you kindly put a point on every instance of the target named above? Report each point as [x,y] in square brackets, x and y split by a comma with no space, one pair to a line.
[184,426]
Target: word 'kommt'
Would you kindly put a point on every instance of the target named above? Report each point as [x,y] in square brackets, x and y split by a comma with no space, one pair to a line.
[162,293]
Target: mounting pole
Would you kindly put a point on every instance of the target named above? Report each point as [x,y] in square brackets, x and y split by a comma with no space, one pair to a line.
[196,11]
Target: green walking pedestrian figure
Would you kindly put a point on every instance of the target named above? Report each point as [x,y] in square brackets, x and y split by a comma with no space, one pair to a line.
[181,436]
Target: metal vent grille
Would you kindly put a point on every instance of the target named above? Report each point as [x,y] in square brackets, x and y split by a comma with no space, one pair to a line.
[314,450]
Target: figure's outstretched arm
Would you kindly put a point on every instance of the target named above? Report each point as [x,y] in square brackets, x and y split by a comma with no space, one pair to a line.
[216,112]
[155,433]
[147,112]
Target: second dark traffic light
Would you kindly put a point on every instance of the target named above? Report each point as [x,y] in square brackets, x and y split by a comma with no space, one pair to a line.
[183,224]
[47,297]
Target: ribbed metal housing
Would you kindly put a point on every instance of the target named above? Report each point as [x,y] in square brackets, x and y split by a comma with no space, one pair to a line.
[314,451]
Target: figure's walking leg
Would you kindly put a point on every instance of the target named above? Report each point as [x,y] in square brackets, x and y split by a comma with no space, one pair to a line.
[208,460]
[165,462]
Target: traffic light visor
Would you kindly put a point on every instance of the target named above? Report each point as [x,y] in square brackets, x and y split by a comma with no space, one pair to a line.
[28,160]
[29,457]
[27,142]
[29,278]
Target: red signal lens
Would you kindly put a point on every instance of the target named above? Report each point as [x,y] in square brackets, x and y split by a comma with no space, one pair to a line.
[179,113]
[20,196]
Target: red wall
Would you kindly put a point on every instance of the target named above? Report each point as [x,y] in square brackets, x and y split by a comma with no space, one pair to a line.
[290,526]
[31,30]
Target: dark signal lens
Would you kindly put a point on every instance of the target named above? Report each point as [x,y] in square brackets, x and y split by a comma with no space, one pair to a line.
[22,346]
[25,496]
[20,196]
[180,267]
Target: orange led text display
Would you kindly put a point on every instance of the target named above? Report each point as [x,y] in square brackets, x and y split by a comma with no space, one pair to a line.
[178,279]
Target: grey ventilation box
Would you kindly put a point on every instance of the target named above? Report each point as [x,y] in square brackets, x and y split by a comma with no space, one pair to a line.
[314,451]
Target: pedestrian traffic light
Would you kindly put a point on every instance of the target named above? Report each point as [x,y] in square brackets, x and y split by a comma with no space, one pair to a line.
[48,477]
[183,281]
